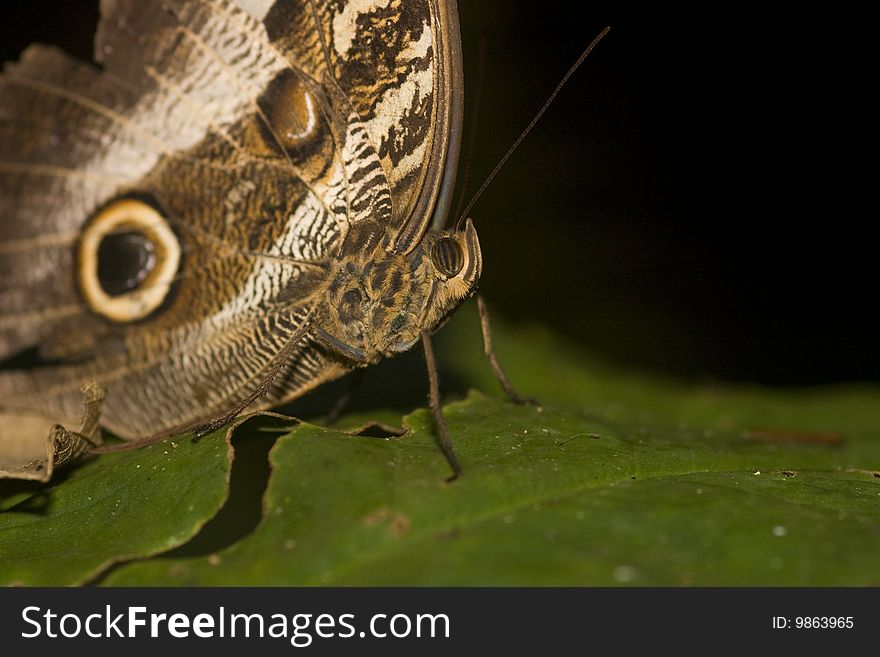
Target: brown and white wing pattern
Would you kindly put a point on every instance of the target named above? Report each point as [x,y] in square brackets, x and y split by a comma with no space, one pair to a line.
[258,133]
[396,65]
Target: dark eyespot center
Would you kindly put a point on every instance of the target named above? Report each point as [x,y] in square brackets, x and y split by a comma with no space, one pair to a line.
[125,259]
[447,256]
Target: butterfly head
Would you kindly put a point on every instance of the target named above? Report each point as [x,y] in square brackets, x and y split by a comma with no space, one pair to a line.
[456,264]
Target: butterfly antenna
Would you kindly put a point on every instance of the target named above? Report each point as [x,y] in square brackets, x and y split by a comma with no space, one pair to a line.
[513,147]
[472,129]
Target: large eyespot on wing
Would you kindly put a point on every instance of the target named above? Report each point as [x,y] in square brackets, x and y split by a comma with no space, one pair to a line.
[127,258]
[292,112]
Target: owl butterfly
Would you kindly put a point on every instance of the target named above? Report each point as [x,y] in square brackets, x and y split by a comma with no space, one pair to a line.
[244,200]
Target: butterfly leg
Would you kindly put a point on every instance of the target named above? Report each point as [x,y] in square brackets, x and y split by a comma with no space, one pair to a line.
[32,445]
[436,410]
[279,361]
[489,351]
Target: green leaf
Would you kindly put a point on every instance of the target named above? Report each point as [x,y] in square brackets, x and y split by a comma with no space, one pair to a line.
[113,508]
[618,478]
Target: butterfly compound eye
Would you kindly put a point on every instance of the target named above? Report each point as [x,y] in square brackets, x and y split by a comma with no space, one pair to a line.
[127,257]
[447,256]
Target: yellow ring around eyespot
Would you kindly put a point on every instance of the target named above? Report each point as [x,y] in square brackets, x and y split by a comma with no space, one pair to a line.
[133,215]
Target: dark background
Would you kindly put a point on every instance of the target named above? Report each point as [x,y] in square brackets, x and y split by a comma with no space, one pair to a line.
[697,199]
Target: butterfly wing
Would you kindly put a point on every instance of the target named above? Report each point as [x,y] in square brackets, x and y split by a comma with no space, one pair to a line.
[397,65]
[261,132]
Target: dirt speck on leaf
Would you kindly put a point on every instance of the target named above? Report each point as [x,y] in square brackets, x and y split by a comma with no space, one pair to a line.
[828,438]
[177,570]
[375,517]
[399,525]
